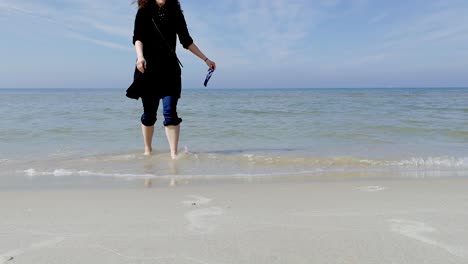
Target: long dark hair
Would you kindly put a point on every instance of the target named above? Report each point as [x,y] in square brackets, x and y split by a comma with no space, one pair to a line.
[144,3]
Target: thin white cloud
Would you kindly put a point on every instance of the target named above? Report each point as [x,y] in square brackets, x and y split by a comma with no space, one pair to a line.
[266,30]
[442,25]
[120,31]
[364,61]
[25,8]
[99,42]
[84,18]
[378,18]
[262,37]
[405,38]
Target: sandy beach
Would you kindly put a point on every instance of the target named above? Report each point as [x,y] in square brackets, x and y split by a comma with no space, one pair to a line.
[260,221]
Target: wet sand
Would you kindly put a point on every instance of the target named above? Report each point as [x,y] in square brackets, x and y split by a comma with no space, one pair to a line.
[268,221]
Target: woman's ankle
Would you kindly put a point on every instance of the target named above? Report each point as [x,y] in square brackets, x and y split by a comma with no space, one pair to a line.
[148,150]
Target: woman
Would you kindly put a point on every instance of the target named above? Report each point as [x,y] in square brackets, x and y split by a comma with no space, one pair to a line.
[158,64]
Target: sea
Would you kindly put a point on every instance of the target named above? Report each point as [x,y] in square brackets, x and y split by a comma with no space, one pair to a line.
[92,137]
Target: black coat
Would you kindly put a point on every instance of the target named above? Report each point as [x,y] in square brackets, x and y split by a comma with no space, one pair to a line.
[163,74]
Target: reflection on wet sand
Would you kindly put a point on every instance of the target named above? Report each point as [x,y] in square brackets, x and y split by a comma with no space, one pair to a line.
[148,167]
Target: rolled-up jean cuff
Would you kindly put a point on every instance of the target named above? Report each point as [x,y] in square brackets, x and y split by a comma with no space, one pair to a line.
[173,122]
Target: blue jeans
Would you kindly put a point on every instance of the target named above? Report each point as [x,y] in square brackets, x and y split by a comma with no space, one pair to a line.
[150,108]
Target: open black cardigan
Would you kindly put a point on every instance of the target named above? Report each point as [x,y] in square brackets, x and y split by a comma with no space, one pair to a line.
[163,74]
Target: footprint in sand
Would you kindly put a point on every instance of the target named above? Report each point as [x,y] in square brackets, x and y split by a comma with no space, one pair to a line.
[10,255]
[197,200]
[4,259]
[200,220]
[419,230]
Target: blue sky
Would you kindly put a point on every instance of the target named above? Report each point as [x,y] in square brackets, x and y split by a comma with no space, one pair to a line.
[255,43]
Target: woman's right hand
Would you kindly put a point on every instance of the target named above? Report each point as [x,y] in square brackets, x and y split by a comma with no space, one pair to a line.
[141,64]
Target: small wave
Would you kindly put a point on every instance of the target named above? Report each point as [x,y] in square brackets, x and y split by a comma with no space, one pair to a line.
[122,157]
[344,161]
[251,165]
[285,160]
[65,173]
[436,162]
[58,172]
[429,162]
[235,164]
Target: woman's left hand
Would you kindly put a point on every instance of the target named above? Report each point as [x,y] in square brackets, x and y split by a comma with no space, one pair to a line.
[211,64]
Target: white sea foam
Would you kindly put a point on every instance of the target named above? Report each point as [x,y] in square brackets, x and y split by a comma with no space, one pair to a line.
[296,161]
[30,172]
[337,161]
[436,162]
[371,188]
[427,162]
[62,172]
[117,175]
[57,172]
[211,165]
[250,157]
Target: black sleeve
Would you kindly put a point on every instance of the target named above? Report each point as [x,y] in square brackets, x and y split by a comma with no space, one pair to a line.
[139,29]
[182,31]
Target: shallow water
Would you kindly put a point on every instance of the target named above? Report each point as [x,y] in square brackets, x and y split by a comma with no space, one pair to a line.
[77,133]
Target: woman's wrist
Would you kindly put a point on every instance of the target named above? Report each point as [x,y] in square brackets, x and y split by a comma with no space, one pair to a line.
[205,59]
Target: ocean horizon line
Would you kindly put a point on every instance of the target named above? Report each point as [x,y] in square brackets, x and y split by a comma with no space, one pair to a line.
[252,88]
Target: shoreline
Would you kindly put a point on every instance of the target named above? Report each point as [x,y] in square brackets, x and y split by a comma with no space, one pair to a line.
[84,180]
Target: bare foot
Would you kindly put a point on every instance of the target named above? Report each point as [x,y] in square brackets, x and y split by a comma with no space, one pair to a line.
[174,156]
[148,151]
